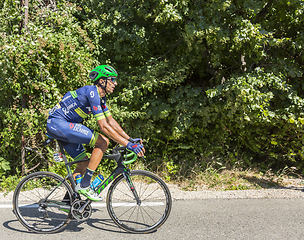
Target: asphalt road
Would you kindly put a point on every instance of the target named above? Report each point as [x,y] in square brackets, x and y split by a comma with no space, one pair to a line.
[189,219]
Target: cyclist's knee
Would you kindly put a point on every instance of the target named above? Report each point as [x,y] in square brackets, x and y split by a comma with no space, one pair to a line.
[102,142]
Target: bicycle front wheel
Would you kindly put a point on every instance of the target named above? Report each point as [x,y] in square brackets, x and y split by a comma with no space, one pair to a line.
[144,216]
[38,202]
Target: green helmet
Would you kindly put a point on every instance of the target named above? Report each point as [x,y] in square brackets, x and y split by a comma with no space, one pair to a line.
[102,71]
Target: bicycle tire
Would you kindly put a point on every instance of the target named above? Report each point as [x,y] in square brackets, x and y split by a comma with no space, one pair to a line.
[30,207]
[155,207]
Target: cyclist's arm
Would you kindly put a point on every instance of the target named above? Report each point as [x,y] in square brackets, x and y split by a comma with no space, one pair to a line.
[108,130]
[112,122]
[117,128]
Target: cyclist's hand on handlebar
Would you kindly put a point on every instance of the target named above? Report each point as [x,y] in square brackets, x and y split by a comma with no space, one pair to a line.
[135,140]
[136,148]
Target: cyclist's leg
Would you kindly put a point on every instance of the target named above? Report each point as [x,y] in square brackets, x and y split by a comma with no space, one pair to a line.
[73,134]
[101,146]
[81,168]
[77,152]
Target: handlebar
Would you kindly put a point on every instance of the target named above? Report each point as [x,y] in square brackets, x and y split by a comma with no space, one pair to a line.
[117,149]
[131,160]
[126,155]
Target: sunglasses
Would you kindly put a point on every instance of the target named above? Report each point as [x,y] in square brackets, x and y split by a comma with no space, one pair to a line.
[112,79]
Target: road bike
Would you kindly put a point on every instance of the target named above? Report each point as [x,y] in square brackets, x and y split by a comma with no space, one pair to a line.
[138,201]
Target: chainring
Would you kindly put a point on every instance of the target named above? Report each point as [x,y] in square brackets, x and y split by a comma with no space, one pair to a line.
[86,214]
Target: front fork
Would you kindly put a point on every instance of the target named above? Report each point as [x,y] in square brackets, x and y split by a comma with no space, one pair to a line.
[129,181]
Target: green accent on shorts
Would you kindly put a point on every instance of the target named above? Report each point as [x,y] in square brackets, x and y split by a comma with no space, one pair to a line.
[94,138]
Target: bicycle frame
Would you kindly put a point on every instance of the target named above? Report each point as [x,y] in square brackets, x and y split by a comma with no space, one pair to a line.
[57,203]
[120,169]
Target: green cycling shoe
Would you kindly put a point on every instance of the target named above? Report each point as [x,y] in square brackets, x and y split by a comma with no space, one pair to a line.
[88,192]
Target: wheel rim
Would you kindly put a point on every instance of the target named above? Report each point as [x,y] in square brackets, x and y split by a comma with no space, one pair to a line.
[150,213]
[33,211]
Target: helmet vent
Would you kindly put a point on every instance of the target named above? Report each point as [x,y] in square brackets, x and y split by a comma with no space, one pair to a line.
[110,69]
[93,75]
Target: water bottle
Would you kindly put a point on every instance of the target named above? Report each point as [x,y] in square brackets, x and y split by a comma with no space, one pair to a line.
[78,178]
[97,181]
[58,155]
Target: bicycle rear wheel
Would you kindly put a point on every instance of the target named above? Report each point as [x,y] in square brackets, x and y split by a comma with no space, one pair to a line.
[147,216]
[38,202]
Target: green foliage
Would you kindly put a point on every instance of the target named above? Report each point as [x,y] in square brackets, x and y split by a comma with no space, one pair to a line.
[8,183]
[4,166]
[259,114]
[200,81]
[38,66]
[205,81]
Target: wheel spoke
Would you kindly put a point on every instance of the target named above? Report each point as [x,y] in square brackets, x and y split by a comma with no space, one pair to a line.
[153,209]
[34,210]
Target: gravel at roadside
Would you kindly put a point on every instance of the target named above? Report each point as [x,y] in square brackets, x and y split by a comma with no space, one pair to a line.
[288,192]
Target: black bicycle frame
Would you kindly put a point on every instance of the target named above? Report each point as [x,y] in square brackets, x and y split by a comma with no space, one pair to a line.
[120,169]
[68,165]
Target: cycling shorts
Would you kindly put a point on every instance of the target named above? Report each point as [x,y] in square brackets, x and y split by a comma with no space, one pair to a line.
[72,135]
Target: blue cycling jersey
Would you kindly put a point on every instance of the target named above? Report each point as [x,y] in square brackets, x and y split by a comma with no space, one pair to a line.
[64,120]
[77,105]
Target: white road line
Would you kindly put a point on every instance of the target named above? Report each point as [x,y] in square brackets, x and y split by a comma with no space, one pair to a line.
[96,205]
[128,204]
[6,205]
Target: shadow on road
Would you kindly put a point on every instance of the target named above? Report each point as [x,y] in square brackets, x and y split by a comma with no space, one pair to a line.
[8,223]
[73,226]
[268,183]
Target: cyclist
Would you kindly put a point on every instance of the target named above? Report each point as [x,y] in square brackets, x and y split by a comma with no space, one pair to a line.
[64,121]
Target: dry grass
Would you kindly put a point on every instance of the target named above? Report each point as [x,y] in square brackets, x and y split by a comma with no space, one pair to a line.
[235,179]
[240,180]
[224,179]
